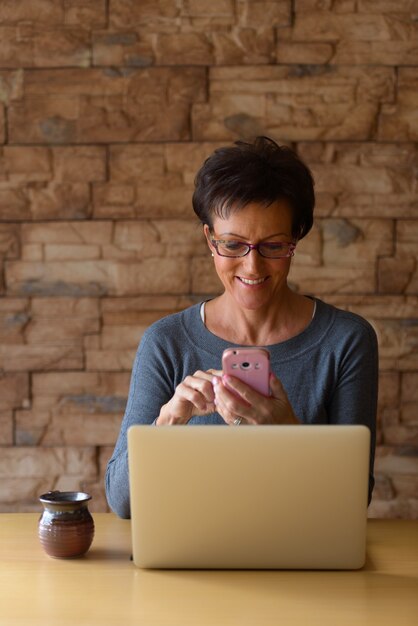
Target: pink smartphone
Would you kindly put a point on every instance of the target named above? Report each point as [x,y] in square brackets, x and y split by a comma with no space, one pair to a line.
[251,365]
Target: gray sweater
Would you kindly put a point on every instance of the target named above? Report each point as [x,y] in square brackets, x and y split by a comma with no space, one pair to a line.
[329,372]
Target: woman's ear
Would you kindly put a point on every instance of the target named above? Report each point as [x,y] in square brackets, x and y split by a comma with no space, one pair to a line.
[206,231]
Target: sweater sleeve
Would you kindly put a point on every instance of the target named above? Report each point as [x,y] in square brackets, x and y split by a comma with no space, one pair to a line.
[354,398]
[150,388]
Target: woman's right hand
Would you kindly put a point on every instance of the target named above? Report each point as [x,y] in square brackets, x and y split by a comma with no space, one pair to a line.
[194,396]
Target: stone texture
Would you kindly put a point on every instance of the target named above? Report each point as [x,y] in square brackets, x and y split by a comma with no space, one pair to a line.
[107,110]
[14,390]
[78,106]
[363,179]
[138,173]
[399,121]
[293,102]
[6,428]
[378,35]
[42,183]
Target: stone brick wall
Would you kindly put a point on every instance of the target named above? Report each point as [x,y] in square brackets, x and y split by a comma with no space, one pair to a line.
[107,109]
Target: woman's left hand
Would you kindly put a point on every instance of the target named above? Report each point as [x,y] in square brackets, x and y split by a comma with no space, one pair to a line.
[252,407]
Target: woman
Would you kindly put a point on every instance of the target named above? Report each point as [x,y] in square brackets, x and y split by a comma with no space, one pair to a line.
[255,201]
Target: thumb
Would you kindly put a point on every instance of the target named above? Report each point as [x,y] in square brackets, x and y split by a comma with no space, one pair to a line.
[277,389]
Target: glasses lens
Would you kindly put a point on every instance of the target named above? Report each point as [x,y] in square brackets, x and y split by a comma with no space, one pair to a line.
[232,248]
[275,250]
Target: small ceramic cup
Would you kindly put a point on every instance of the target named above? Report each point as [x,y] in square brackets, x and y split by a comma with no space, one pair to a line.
[66,528]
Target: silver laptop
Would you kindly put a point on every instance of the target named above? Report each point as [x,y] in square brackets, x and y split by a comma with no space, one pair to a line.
[249,497]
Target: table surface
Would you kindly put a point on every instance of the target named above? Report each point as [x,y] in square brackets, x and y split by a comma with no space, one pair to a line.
[104,587]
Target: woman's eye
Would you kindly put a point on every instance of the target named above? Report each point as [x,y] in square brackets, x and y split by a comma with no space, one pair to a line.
[232,245]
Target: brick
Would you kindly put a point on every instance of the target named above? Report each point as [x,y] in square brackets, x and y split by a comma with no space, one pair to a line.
[377,306]
[181,48]
[83,428]
[400,435]
[12,327]
[83,387]
[355,243]
[397,344]
[9,241]
[21,462]
[157,180]
[99,106]
[173,238]
[79,164]
[364,180]
[158,16]
[25,164]
[93,278]
[409,388]
[21,358]
[389,389]
[2,125]
[14,390]
[60,201]
[126,48]
[399,508]
[333,27]
[405,484]
[389,461]
[204,277]
[122,337]
[244,46]
[276,13]
[50,331]
[398,273]
[86,13]
[29,45]
[21,494]
[295,103]
[14,305]
[349,252]
[161,302]
[11,86]
[289,52]
[6,428]
[399,121]
[42,11]
[73,233]
[109,360]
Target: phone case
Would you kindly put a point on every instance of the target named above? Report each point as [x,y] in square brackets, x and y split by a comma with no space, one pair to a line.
[251,365]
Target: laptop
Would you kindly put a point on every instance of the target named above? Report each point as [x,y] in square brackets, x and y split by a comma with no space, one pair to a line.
[249,497]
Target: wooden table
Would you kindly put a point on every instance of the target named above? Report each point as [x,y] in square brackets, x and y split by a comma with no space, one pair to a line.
[104,587]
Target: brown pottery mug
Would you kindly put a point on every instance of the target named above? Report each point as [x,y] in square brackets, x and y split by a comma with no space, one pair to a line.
[66,528]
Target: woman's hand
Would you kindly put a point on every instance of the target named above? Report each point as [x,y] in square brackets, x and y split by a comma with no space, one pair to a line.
[251,407]
[194,396]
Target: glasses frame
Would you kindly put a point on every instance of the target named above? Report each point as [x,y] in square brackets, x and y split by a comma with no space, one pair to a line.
[254,246]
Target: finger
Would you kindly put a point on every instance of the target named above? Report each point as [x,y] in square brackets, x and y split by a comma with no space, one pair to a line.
[186,392]
[244,391]
[203,384]
[215,372]
[277,389]
[230,406]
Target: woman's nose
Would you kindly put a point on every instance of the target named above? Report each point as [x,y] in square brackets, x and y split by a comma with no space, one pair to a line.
[253,261]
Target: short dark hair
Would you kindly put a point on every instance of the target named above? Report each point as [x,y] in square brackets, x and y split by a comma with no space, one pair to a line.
[261,171]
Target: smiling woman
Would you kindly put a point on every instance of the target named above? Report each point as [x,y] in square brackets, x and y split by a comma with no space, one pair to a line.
[255,202]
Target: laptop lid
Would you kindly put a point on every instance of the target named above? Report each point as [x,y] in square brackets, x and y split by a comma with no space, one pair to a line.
[255,497]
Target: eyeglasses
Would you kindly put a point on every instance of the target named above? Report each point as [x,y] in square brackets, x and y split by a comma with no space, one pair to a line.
[269,249]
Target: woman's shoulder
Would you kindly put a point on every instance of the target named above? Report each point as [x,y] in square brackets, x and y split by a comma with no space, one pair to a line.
[175,324]
[345,322]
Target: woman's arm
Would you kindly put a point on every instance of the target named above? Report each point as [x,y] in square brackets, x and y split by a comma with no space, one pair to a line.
[354,398]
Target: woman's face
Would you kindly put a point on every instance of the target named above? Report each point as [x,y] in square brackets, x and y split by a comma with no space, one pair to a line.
[253,281]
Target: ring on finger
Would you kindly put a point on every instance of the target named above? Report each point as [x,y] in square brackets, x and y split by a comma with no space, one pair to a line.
[237,421]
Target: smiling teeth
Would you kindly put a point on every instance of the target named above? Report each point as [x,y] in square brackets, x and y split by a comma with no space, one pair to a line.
[247,281]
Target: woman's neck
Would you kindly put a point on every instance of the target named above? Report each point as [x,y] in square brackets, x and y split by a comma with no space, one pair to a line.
[287,317]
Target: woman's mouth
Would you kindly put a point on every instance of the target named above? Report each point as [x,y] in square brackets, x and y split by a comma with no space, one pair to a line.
[249,281]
